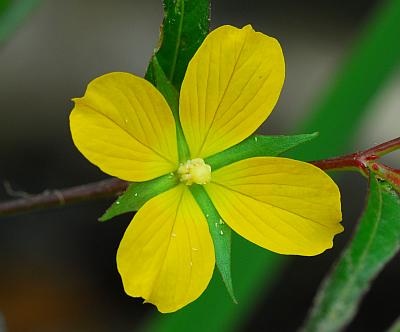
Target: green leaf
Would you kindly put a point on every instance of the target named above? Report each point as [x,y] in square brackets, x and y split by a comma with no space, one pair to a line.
[221,236]
[171,95]
[3,5]
[395,327]
[185,25]
[12,15]
[139,193]
[256,146]
[376,241]
[161,82]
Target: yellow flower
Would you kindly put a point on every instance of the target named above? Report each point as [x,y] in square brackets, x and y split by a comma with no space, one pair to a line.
[124,126]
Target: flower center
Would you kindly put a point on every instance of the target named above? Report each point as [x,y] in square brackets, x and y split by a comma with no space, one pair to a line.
[195,171]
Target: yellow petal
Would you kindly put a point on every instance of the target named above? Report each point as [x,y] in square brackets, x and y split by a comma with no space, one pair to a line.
[124,126]
[166,255]
[231,86]
[284,205]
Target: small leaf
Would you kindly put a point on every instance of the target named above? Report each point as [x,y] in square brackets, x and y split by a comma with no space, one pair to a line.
[376,241]
[139,193]
[221,236]
[171,95]
[161,82]
[185,25]
[257,146]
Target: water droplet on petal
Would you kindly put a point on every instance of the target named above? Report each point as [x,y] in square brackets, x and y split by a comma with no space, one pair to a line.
[173,235]
[195,249]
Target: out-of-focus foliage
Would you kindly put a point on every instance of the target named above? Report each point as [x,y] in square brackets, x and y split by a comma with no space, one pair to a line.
[372,60]
[3,6]
[395,327]
[12,14]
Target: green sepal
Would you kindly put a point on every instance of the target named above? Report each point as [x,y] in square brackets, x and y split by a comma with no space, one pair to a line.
[257,146]
[161,82]
[186,24]
[376,241]
[220,234]
[139,193]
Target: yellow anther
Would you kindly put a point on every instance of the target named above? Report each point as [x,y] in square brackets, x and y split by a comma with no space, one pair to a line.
[195,171]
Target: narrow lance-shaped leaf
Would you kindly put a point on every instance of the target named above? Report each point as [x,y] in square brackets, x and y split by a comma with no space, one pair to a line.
[221,236]
[185,25]
[171,95]
[139,193]
[257,146]
[376,241]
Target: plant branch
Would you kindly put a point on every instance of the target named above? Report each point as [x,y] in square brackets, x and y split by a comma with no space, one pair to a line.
[101,189]
[363,161]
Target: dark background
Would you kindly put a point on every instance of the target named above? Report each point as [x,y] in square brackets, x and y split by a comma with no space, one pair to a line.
[58,269]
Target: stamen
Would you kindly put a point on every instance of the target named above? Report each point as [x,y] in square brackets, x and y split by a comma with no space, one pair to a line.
[195,171]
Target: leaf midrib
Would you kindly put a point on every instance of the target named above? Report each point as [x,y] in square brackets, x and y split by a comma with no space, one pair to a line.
[178,41]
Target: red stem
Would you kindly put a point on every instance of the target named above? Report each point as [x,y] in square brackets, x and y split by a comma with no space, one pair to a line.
[101,189]
[358,161]
[111,187]
[347,162]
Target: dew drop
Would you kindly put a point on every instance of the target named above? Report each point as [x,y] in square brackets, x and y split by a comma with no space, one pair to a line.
[256,138]
[117,202]
[191,263]
[207,215]
[194,249]
[136,194]
[221,232]
[221,222]
[216,224]
[173,235]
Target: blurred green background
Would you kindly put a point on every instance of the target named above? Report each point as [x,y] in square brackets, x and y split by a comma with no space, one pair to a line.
[58,268]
